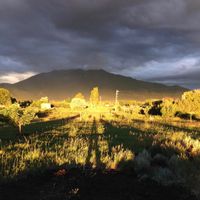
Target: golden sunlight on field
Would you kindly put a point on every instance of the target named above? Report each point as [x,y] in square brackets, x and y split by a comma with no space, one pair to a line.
[156,139]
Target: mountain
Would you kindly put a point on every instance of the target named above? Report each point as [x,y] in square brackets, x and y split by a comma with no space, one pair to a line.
[62,84]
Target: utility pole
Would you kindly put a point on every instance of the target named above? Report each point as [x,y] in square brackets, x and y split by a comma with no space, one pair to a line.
[116,97]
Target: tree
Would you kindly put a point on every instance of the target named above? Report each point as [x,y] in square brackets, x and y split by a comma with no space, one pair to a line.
[13,100]
[5,97]
[169,108]
[190,102]
[77,103]
[79,96]
[94,96]
[18,116]
[38,103]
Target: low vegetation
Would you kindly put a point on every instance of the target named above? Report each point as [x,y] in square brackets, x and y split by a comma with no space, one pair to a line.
[155,139]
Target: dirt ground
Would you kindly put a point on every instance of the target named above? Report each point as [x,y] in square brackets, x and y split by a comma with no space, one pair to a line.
[89,184]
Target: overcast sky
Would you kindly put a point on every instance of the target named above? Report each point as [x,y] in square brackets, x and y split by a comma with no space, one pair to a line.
[154,40]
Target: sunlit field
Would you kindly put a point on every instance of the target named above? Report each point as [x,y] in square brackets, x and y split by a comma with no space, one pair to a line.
[99,99]
[167,153]
[69,145]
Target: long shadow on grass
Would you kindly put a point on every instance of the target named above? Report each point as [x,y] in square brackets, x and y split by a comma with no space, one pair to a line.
[134,139]
[11,132]
[131,138]
[97,184]
[194,132]
[93,146]
[41,127]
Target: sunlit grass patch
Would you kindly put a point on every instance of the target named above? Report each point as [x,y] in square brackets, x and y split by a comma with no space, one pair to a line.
[152,149]
[61,148]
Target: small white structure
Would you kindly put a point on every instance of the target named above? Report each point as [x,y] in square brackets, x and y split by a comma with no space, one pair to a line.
[45,106]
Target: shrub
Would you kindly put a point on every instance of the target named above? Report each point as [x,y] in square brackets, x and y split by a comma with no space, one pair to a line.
[94,96]
[39,102]
[143,162]
[18,116]
[169,108]
[79,96]
[159,160]
[5,97]
[190,102]
[164,176]
[77,103]
[155,108]
[25,104]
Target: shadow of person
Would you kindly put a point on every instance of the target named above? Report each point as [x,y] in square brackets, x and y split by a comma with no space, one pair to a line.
[93,149]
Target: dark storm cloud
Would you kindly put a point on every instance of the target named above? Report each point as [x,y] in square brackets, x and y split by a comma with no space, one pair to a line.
[141,38]
[185,77]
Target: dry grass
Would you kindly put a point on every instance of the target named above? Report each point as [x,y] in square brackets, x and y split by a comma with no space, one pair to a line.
[167,152]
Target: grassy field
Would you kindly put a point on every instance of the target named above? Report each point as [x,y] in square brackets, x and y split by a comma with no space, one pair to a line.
[167,152]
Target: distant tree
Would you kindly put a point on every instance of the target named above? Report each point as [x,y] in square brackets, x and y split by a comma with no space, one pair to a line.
[169,108]
[38,103]
[94,96]
[13,100]
[25,104]
[18,116]
[79,96]
[155,107]
[190,102]
[147,107]
[78,103]
[5,97]
[186,107]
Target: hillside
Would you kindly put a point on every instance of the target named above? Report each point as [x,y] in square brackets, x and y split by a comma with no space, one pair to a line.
[62,84]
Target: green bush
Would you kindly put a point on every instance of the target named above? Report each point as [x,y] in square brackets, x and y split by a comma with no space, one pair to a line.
[190,102]
[169,108]
[19,116]
[5,97]
[78,103]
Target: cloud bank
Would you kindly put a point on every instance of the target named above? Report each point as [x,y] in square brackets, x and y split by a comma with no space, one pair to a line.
[153,40]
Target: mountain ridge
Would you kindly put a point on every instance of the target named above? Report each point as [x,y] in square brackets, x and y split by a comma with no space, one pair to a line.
[62,84]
